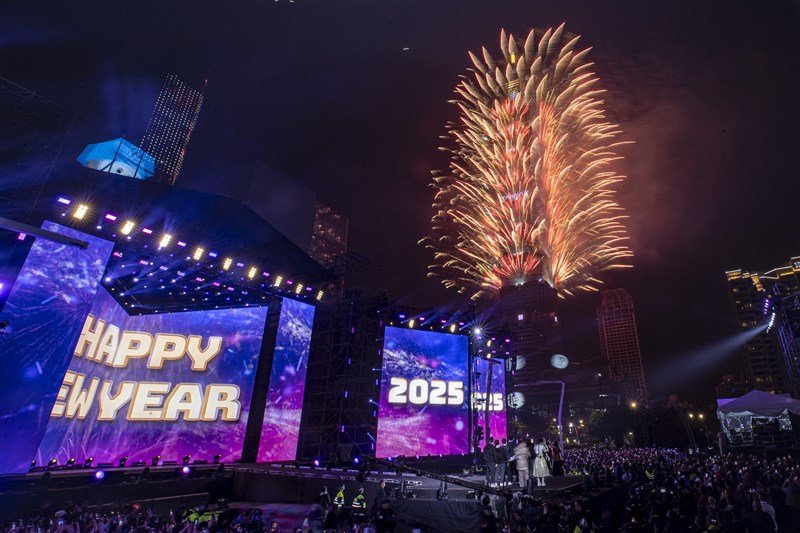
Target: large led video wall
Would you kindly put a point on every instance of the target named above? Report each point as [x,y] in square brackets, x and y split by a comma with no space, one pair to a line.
[287,383]
[44,310]
[424,385]
[163,384]
[495,406]
[85,379]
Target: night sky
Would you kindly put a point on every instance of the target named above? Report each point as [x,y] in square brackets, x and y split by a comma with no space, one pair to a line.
[327,93]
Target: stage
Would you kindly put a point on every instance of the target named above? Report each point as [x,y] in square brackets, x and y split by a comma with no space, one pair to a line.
[282,492]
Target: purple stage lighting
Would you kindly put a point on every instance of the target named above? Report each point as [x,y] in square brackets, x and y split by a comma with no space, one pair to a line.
[185,470]
[99,475]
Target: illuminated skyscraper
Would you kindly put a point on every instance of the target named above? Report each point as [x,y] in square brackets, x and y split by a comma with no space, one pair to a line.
[771,363]
[328,236]
[619,343]
[171,126]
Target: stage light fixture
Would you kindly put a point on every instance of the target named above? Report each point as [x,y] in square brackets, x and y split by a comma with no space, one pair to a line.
[154,461]
[299,288]
[88,462]
[217,458]
[187,458]
[319,296]
[53,463]
[411,323]
[70,462]
[186,470]
[80,211]
[33,466]
[452,328]
[278,281]
[476,331]
[99,475]
[123,460]
[227,263]
[198,254]
[252,272]
[165,240]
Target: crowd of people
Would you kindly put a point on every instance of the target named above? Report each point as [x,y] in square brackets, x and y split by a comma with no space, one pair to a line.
[669,492]
[665,491]
[136,518]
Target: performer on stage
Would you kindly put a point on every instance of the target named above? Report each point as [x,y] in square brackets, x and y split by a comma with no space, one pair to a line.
[540,469]
[521,457]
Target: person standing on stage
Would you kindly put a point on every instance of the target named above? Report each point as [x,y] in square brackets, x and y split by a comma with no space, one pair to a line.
[540,470]
[558,461]
[521,457]
[500,459]
[509,448]
[491,465]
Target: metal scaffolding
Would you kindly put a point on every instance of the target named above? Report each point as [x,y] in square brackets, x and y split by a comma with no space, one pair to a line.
[339,417]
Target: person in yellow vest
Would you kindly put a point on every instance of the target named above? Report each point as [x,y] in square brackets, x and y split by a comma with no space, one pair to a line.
[338,501]
[360,507]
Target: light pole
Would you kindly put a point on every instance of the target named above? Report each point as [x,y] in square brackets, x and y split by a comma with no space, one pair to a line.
[560,406]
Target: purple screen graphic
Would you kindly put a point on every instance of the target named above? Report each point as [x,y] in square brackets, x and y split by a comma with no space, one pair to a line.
[423,405]
[287,383]
[497,399]
[168,385]
[45,311]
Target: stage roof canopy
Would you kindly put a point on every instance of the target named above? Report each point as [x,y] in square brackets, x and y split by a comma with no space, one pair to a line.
[175,249]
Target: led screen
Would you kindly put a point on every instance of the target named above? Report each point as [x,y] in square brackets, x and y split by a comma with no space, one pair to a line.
[287,383]
[424,386]
[496,405]
[44,310]
[165,384]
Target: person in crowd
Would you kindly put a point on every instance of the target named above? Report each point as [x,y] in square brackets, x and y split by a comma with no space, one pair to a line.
[488,521]
[540,469]
[522,456]
[511,467]
[386,519]
[315,517]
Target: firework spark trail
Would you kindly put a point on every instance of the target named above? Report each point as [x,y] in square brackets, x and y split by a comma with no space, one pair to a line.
[530,190]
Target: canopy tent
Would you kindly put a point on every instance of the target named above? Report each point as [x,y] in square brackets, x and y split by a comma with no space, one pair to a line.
[759,403]
[757,418]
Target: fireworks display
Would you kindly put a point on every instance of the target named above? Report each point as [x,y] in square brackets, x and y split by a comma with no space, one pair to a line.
[529,194]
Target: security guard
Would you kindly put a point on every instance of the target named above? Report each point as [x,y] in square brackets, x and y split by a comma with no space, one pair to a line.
[360,507]
[338,501]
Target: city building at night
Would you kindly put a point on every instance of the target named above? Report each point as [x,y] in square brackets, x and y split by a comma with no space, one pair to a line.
[770,356]
[619,343]
[171,126]
[328,236]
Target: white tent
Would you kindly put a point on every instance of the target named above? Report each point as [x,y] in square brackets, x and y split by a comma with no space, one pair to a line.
[762,404]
